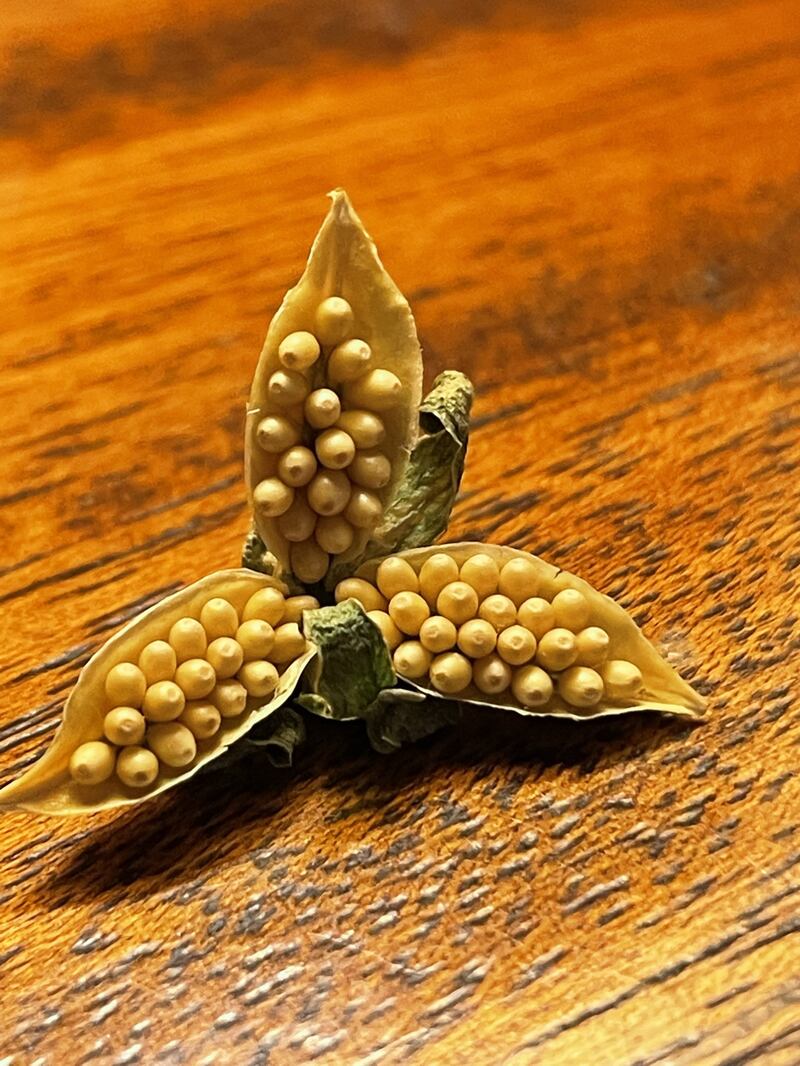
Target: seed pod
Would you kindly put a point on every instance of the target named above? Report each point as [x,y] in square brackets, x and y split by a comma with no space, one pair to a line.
[149,640]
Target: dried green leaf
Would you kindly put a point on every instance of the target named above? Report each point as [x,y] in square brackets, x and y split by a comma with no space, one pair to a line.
[391,723]
[279,736]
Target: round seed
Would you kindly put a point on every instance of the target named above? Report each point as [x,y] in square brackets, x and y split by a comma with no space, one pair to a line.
[219,618]
[225,655]
[537,615]
[364,509]
[408,611]
[92,763]
[364,427]
[272,498]
[276,433]
[396,575]
[295,606]
[519,580]
[286,388]
[124,725]
[157,661]
[410,659]
[457,601]
[391,634]
[516,645]
[259,678]
[436,572]
[450,673]
[370,470]
[196,678]
[137,767]
[202,719]
[267,604]
[188,639]
[298,522]
[557,650]
[622,679]
[349,360]
[531,686]
[334,534]
[356,588]
[581,686]
[335,449]
[308,561]
[477,638]
[255,637]
[173,743]
[163,701]
[593,645]
[483,573]
[298,351]
[289,643]
[499,611]
[329,492]
[297,466]
[438,634]
[322,408]
[125,685]
[572,609]
[229,697]
[377,390]
[491,675]
[333,320]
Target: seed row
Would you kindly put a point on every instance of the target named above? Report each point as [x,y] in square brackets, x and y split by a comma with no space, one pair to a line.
[488,626]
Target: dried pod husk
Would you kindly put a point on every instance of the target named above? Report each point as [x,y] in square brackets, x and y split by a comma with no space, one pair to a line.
[301,470]
[48,785]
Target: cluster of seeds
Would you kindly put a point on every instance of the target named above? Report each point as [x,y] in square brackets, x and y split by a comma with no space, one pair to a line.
[322,429]
[489,627]
[180,688]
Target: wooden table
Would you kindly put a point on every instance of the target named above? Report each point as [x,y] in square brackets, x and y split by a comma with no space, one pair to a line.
[594,211]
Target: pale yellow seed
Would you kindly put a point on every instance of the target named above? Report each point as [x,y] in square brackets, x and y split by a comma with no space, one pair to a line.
[366,428]
[333,320]
[125,685]
[450,673]
[188,639]
[396,575]
[298,351]
[370,470]
[295,606]
[516,645]
[298,523]
[201,718]
[411,660]
[163,701]
[329,492]
[581,686]
[519,580]
[482,572]
[499,610]
[349,360]
[477,638]
[491,675]
[537,615]
[137,767]
[259,678]
[158,661]
[438,634]
[436,572]
[531,686]
[356,588]
[297,466]
[226,656]
[286,388]
[334,534]
[557,650]
[219,618]
[322,408]
[391,634]
[230,698]
[92,763]
[364,509]
[255,637]
[124,725]
[572,609]
[289,644]
[308,561]
[173,743]
[272,498]
[335,449]
[276,433]
[622,679]
[196,677]
[267,604]
[408,610]
[593,643]
[377,390]
[457,601]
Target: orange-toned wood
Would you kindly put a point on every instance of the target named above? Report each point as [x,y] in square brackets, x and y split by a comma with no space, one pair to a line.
[594,211]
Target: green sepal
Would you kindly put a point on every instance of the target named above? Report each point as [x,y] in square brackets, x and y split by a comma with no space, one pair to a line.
[402,716]
[279,736]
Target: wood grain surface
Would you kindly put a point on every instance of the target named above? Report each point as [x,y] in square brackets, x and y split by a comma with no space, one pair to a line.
[594,210]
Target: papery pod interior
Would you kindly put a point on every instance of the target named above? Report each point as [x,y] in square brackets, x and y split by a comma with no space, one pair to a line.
[663,689]
[47,785]
[343,263]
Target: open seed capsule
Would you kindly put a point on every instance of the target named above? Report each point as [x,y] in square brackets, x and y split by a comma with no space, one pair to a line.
[182,707]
